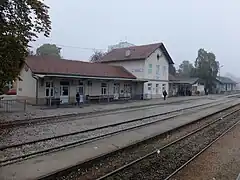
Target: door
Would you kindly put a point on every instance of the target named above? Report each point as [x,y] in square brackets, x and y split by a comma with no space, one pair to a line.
[127,90]
[80,90]
[116,90]
[64,92]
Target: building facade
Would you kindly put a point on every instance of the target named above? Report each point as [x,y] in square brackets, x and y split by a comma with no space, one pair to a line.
[225,84]
[149,63]
[44,79]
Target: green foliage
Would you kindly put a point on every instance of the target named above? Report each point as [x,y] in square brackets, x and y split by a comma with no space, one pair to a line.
[186,69]
[20,21]
[97,56]
[207,67]
[172,69]
[49,50]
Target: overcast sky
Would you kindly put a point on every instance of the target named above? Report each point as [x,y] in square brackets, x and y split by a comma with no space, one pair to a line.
[183,26]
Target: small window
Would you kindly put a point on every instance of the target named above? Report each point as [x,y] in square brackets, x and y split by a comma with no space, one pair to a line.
[163,87]
[49,84]
[64,83]
[149,87]
[80,83]
[158,56]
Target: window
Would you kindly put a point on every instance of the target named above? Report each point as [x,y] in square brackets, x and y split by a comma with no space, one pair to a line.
[116,88]
[149,87]
[80,83]
[64,91]
[163,87]
[104,88]
[127,88]
[150,69]
[157,69]
[164,71]
[49,89]
[157,90]
[89,83]
[158,56]
[80,87]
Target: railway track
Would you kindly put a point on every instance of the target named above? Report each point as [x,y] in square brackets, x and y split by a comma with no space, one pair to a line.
[74,116]
[15,152]
[158,157]
[164,162]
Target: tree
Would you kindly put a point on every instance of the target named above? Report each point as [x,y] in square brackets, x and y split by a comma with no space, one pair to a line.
[172,69]
[20,22]
[207,68]
[49,50]
[30,52]
[186,69]
[97,56]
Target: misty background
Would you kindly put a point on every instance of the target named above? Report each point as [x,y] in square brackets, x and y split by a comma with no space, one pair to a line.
[80,26]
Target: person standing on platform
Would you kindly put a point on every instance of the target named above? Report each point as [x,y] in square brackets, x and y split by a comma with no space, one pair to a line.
[78,98]
[164,94]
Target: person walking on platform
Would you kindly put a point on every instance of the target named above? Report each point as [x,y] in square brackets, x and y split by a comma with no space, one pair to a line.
[78,98]
[164,94]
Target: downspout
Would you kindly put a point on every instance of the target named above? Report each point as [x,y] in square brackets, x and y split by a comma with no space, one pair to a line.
[37,85]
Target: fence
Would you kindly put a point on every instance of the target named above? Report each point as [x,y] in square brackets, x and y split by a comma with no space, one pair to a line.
[13,105]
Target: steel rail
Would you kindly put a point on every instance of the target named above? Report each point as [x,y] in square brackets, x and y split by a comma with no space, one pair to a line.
[204,149]
[106,126]
[60,118]
[84,141]
[164,147]
[68,169]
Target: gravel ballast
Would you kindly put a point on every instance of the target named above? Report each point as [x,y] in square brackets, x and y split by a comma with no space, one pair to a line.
[28,149]
[97,168]
[220,162]
[160,166]
[36,131]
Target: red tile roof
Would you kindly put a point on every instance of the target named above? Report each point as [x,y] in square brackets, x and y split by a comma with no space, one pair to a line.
[136,53]
[52,65]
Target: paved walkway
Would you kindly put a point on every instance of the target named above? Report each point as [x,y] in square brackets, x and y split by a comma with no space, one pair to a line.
[33,112]
[42,165]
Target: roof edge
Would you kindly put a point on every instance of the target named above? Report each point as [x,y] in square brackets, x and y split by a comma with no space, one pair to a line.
[69,74]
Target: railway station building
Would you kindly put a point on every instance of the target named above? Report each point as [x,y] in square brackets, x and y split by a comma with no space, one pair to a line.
[136,72]
[48,79]
[148,63]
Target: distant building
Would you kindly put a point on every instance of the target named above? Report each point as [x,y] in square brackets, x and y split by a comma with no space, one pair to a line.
[120,45]
[225,84]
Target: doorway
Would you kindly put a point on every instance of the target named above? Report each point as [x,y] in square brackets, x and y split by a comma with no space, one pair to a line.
[64,92]
[116,90]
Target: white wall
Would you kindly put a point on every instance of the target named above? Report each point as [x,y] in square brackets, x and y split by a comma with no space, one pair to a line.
[140,68]
[162,62]
[136,67]
[93,90]
[27,86]
[156,78]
